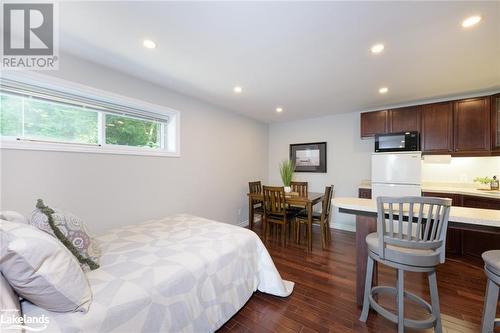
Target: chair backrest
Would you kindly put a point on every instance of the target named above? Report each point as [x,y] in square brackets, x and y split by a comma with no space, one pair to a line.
[274,200]
[255,187]
[425,227]
[299,187]
[326,206]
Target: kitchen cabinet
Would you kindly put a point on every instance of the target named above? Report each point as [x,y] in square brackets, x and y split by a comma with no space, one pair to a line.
[453,236]
[437,128]
[472,126]
[475,243]
[404,119]
[456,199]
[467,127]
[374,123]
[469,243]
[495,123]
[480,202]
[364,193]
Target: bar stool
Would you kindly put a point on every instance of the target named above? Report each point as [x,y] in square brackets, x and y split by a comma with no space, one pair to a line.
[415,245]
[492,269]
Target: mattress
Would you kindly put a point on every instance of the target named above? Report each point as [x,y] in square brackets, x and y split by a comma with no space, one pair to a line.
[179,274]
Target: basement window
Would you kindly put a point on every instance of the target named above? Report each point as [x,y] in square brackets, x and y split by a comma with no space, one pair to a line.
[35,117]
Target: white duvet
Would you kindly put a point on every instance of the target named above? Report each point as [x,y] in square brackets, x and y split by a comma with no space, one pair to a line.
[179,274]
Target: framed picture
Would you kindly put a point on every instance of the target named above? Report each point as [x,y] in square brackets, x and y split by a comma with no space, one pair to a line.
[309,157]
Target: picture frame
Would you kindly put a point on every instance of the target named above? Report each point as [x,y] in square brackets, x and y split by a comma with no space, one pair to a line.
[309,157]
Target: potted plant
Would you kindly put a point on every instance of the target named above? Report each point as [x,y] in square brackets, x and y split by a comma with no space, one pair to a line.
[484,181]
[286,171]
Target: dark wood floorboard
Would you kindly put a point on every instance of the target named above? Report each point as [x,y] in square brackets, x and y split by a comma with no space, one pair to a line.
[324,296]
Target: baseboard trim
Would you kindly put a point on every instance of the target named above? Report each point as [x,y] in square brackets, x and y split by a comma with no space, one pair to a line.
[243,224]
[345,227]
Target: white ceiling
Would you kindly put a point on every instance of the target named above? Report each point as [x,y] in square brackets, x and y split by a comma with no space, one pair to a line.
[311,58]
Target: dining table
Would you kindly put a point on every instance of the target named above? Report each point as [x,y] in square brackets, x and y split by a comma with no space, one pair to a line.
[307,201]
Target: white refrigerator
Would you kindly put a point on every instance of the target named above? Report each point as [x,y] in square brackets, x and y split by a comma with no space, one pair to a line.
[396,174]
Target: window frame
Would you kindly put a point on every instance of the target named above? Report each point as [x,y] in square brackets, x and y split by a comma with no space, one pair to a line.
[170,131]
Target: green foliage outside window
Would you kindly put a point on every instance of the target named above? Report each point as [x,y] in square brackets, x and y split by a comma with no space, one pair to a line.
[38,119]
[132,132]
[10,115]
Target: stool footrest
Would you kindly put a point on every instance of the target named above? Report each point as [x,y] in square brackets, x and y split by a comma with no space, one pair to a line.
[418,324]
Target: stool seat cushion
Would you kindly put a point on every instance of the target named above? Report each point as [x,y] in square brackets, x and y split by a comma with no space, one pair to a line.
[404,255]
[492,260]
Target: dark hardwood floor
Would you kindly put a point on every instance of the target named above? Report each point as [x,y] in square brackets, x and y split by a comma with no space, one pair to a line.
[324,296]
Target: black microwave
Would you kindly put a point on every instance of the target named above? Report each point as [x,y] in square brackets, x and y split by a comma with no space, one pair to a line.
[403,141]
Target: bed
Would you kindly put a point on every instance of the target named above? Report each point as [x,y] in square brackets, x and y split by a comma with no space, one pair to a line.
[178,274]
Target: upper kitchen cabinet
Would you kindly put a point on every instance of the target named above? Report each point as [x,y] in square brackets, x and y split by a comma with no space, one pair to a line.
[472,126]
[404,119]
[495,123]
[437,128]
[374,123]
[467,127]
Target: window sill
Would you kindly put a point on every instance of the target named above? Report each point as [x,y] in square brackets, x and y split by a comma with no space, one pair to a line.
[75,148]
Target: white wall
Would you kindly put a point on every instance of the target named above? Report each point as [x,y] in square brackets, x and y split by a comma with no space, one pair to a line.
[461,169]
[220,153]
[348,157]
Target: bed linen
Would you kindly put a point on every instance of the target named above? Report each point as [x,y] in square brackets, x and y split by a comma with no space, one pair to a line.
[179,274]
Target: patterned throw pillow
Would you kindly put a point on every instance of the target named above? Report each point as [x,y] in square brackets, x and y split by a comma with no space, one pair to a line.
[71,231]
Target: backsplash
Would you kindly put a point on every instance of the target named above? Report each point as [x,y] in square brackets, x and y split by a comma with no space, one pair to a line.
[460,169]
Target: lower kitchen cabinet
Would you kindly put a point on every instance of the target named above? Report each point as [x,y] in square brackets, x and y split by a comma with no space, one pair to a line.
[464,242]
[365,193]
[480,202]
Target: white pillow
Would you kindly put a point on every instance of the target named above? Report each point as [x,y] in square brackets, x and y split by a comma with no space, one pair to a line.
[12,216]
[10,310]
[41,270]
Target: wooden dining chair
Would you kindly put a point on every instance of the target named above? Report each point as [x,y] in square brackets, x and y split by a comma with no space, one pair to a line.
[275,211]
[323,218]
[300,188]
[257,205]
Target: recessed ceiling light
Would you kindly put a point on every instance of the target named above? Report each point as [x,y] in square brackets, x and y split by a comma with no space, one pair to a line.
[149,44]
[383,90]
[471,21]
[237,90]
[278,109]
[377,48]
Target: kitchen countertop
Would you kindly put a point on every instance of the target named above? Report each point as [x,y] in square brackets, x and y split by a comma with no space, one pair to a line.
[448,188]
[463,191]
[475,216]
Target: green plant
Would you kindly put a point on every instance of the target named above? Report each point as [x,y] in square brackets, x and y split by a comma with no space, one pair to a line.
[286,171]
[483,180]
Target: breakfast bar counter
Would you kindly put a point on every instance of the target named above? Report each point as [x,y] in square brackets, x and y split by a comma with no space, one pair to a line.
[486,220]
